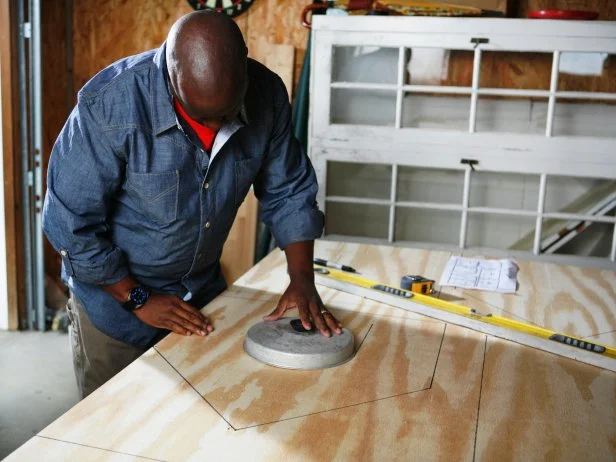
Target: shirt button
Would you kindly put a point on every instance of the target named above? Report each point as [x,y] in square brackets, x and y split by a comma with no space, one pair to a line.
[207,225]
[206,185]
[63,253]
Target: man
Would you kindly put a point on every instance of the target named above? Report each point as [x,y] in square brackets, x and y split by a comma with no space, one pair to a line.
[145,180]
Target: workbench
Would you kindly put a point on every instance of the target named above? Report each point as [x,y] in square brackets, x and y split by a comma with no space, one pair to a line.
[417,389]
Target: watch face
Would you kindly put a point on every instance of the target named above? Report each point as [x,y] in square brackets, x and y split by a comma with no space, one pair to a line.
[139,295]
[230,7]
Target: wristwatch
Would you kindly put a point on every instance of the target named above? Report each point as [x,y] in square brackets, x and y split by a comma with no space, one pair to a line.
[137,297]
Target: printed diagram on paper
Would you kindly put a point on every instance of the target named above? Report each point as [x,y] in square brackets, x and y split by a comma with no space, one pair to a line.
[475,273]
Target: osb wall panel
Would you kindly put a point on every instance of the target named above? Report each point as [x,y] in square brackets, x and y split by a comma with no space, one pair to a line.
[108,30]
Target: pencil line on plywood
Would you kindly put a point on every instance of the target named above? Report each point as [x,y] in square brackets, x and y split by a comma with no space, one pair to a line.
[334,409]
[438,355]
[600,333]
[196,391]
[349,310]
[99,448]
[483,364]
[362,340]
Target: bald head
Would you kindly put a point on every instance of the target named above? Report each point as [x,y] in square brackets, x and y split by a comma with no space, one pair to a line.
[206,61]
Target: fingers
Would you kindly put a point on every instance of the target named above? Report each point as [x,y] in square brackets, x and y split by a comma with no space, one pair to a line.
[304,316]
[202,325]
[177,328]
[192,310]
[332,322]
[317,318]
[180,317]
[280,309]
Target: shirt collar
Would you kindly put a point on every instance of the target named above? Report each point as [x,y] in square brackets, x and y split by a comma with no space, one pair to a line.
[163,113]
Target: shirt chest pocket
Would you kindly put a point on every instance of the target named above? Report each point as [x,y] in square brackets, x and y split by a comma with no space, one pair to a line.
[156,194]
[246,170]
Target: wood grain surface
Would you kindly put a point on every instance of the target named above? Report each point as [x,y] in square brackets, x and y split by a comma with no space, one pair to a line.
[416,390]
[573,300]
[542,407]
[55,450]
[395,355]
[112,29]
[150,411]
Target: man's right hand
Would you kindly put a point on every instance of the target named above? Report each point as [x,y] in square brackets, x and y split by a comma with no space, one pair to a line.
[170,312]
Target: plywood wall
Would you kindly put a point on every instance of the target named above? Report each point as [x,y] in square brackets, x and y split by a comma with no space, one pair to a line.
[57,101]
[108,30]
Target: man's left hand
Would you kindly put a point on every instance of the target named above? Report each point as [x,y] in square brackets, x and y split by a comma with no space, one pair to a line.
[303,295]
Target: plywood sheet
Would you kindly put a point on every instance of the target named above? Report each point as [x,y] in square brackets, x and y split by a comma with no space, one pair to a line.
[537,406]
[470,397]
[395,355]
[53,450]
[380,263]
[574,300]
[148,410]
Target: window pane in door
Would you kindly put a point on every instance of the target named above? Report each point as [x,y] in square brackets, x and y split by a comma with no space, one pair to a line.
[363,107]
[515,70]
[361,220]
[498,231]
[575,237]
[580,195]
[594,72]
[426,225]
[429,226]
[351,179]
[357,64]
[438,67]
[512,114]
[436,111]
[504,190]
[584,117]
[430,185]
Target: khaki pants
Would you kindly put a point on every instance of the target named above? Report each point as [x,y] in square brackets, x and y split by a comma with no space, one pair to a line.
[96,356]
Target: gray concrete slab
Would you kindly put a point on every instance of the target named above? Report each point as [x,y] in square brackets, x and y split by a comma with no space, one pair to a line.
[37,384]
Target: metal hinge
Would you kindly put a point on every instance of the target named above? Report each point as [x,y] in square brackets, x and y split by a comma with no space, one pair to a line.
[27,30]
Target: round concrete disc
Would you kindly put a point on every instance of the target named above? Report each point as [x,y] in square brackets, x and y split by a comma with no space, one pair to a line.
[285,343]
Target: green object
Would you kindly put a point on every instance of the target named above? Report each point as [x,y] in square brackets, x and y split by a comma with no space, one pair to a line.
[302,101]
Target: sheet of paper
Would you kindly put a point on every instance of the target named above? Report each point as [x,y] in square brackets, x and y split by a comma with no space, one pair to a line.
[476,273]
[582,63]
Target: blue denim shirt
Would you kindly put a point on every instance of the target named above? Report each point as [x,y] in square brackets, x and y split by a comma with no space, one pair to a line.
[128,192]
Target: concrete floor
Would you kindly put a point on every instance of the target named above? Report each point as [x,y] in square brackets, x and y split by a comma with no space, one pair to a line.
[37,384]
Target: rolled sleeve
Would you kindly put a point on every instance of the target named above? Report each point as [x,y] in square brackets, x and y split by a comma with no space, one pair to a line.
[287,185]
[83,175]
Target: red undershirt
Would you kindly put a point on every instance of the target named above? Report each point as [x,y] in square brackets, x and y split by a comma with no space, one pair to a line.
[206,135]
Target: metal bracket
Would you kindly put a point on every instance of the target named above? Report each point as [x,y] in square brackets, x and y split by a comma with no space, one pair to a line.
[27,28]
[470,162]
[479,40]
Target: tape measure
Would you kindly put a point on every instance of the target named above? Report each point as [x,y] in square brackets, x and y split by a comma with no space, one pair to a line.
[418,284]
[488,323]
